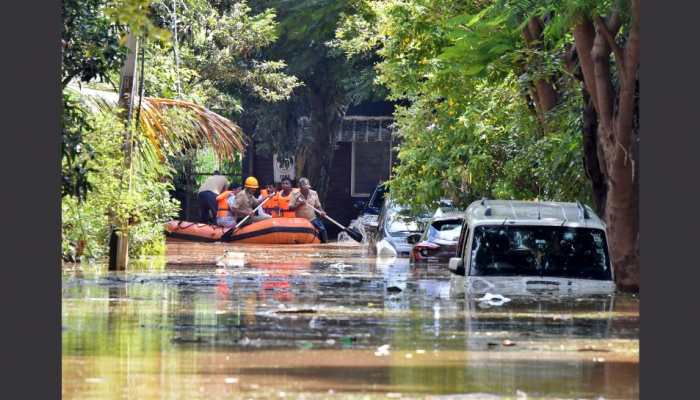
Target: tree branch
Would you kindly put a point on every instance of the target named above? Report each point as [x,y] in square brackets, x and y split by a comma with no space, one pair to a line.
[609,35]
[600,54]
[584,35]
[632,48]
[628,85]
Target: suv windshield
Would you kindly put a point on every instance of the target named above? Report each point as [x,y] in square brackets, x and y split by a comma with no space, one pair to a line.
[446,230]
[547,251]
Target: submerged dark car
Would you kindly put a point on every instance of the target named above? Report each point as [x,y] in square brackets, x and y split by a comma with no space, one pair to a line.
[438,243]
[370,210]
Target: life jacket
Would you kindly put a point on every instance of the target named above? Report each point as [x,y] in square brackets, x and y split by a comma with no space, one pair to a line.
[283,204]
[222,203]
[270,206]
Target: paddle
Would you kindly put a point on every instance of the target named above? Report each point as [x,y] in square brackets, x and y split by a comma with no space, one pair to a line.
[352,232]
[227,235]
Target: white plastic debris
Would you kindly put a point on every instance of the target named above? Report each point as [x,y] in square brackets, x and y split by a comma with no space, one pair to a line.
[382,350]
[493,299]
[231,259]
[384,249]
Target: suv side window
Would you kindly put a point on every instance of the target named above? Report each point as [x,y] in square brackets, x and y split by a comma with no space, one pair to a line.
[463,236]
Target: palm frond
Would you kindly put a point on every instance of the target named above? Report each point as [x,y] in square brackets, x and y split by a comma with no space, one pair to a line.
[203,126]
[224,136]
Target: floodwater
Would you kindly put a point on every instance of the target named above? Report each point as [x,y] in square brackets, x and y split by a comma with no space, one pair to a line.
[327,321]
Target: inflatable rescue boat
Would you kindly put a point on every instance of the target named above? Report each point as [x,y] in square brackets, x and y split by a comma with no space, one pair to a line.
[269,231]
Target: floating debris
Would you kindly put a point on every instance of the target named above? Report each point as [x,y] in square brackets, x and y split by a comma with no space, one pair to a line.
[493,299]
[297,311]
[179,339]
[593,349]
[231,259]
[382,350]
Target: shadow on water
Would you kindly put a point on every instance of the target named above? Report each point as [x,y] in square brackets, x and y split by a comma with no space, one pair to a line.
[315,320]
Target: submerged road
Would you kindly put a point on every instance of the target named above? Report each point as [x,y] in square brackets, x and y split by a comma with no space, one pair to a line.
[328,321]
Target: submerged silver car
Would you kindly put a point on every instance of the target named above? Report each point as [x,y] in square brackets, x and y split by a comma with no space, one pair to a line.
[395,224]
[524,247]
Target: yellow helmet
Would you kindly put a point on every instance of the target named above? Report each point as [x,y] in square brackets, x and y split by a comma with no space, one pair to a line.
[251,182]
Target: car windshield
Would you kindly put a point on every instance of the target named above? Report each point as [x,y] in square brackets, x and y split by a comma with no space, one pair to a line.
[377,198]
[401,221]
[547,251]
[445,230]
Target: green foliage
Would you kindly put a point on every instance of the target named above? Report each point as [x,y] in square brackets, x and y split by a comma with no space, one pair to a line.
[135,14]
[469,129]
[86,224]
[90,39]
[220,60]
[75,153]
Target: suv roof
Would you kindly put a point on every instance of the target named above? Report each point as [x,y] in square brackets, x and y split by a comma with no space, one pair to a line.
[532,213]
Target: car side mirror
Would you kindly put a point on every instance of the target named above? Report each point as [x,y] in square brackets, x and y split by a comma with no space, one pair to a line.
[456,265]
[413,238]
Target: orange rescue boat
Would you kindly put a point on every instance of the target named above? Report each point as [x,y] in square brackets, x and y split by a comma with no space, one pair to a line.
[269,231]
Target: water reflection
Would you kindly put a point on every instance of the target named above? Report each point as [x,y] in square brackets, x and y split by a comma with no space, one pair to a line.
[331,320]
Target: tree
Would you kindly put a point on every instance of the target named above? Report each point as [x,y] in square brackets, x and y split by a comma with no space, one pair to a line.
[475,74]
[612,88]
[330,85]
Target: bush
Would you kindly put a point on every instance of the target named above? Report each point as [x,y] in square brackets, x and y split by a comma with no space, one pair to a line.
[87,224]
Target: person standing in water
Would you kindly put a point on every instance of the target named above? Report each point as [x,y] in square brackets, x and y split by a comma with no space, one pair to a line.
[207,194]
[300,202]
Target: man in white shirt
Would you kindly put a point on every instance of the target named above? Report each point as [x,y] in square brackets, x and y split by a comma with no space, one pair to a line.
[212,187]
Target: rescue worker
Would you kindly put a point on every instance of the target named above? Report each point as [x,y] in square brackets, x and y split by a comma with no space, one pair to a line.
[300,202]
[245,202]
[270,206]
[224,215]
[206,195]
[282,199]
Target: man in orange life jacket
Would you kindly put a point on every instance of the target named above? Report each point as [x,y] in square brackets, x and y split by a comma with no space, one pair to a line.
[271,205]
[224,215]
[282,199]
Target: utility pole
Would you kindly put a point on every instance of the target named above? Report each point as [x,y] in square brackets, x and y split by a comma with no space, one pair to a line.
[119,241]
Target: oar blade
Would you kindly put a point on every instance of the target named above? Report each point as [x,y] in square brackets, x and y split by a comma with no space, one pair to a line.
[354,234]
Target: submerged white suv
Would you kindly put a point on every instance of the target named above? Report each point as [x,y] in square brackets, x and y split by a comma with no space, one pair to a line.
[525,247]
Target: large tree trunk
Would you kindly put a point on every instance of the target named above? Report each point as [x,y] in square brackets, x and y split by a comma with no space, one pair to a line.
[314,160]
[616,110]
[591,158]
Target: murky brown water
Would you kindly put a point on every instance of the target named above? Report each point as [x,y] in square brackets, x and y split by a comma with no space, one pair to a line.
[329,322]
